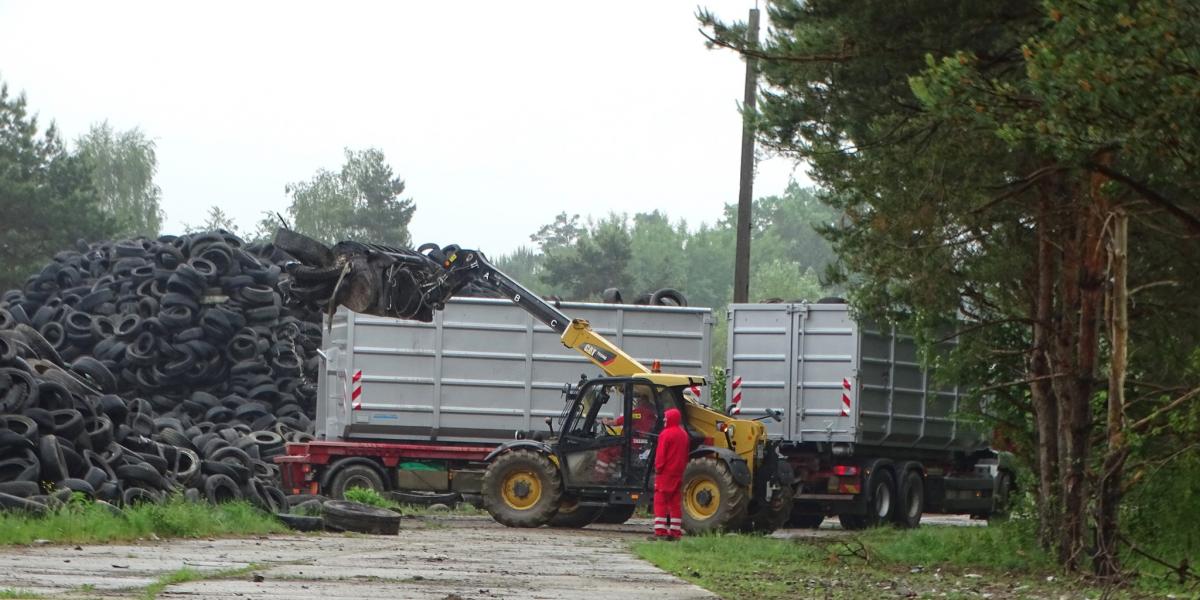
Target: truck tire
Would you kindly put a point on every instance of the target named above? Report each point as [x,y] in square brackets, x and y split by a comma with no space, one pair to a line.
[615,514]
[712,500]
[881,502]
[774,514]
[573,515]
[354,476]
[911,501]
[1002,497]
[522,488]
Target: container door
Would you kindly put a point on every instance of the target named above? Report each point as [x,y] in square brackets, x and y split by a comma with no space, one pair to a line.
[760,352]
[824,382]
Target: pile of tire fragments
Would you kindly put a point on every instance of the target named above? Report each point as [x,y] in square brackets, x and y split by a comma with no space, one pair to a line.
[132,370]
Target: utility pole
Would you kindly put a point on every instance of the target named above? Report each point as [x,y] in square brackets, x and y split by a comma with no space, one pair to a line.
[741,260]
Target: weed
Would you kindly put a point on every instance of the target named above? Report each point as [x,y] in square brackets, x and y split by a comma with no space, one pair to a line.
[186,574]
[19,594]
[369,497]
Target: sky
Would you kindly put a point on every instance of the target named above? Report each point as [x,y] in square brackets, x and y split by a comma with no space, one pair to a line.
[498,115]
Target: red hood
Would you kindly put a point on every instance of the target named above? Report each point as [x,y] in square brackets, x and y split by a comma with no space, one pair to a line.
[673,417]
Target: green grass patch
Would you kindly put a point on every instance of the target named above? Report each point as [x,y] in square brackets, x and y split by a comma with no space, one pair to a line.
[186,574]
[370,497]
[1008,546]
[175,518]
[19,594]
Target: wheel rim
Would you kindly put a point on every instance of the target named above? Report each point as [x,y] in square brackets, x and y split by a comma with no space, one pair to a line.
[702,497]
[522,489]
[883,500]
[914,501]
[359,481]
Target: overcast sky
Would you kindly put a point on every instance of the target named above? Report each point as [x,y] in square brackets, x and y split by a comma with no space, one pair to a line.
[498,115]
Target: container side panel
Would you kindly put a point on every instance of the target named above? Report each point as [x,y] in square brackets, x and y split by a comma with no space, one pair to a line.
[760,336]
[824,365]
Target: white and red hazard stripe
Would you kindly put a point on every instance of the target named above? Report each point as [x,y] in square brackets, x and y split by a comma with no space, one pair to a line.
[845,397]
[735,404]
[356,390]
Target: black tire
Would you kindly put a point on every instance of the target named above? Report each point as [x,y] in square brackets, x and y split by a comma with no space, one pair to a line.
[307,250]
[301,522]
[911,501]
[611,296]
[221,488]
[354,476]
[352,516]
[806,520]
[712,500]
[135,495]
[615,514]
[424,498]
[20,489]
[13,503]
[142,473]
[572,515]
[1002,497]
[668,297]
[522,488]
[50,456]
[881,502]
[774,514]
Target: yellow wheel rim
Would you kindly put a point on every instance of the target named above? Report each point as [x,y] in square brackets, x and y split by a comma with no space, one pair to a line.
[701,498]
[522,489]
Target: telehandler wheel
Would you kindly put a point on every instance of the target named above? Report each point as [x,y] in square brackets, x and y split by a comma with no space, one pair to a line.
[712,500]
[615,514]
[774,514]
[573,515]
[522,489]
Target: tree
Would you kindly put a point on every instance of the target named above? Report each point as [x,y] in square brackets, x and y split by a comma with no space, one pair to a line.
[597,260]
[982,155]
[123,165]
[215,220]
[360,202]
[46,194]
[564,231]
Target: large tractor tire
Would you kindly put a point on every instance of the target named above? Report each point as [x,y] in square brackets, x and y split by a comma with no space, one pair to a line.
[573,515]
[522,488]
[615,514]
[712,500]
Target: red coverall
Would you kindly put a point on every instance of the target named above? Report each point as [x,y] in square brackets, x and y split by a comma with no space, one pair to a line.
[670,458]
[643,422]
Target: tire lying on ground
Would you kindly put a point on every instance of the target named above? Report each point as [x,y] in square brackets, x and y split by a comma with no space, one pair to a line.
[342,515]
[301,522]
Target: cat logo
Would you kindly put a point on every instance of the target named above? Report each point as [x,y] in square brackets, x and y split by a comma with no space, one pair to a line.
[599,355]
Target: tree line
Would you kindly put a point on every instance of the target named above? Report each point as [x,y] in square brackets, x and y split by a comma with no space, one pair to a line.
[1025,172]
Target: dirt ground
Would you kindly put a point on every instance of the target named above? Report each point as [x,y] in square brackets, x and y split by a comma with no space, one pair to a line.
[450,558]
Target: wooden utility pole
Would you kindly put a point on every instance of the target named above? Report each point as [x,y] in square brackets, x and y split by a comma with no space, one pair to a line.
[741,260]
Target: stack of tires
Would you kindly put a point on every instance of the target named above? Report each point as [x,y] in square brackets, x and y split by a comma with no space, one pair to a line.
[134,369]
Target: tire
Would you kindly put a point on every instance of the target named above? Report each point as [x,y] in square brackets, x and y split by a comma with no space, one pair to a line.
[20,489]
[911,501]
[50,455]
[668,297]
[1002,497]
[424,498]
[522,488]
[221,488]
[712,500]
[572,515]
[775,514]
[615,514]
[301,522]
[8,502]
[352,516]
[881,502]
[354,476]
[307,250]
[806,521]
[135,495]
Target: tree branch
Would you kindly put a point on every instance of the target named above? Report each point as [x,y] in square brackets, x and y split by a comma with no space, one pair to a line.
[1188,219]
[1176,403]
[811,58]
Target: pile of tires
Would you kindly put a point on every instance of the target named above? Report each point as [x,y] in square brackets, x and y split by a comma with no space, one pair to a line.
[663,297]
[130,370]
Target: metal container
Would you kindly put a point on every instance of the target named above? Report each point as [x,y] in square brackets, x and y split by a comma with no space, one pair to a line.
[838,380]
[483,369]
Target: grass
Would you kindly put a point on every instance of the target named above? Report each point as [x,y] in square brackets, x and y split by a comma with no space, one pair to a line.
[1000,561]
[370,497]
[373,498]
[176,518]
[19,594]
[186,574]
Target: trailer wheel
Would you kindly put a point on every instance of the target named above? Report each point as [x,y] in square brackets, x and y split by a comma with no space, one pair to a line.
[774,514]
[881,500]
[571,514]
[712,500]
[354,476]
[912,501]
[522,489]
[1001,497]
[615,514]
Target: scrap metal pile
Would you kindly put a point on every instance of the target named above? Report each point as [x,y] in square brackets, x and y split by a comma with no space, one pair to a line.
[132,369]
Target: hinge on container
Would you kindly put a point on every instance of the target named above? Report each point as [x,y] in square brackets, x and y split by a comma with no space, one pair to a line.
[798,309]
[708,319]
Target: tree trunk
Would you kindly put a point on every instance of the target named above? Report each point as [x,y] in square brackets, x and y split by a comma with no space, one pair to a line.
[1045,406]
[1107,561]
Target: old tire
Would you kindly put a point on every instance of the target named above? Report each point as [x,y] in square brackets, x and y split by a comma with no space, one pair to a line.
[307,250]
[352,516]
[573,515]
[522,488]
[615,514]
[301,522]
[911,501]
[712,500]
[354,476]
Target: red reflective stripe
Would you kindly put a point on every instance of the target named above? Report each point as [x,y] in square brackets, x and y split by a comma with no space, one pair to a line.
[357,376]
[356,393]
[737,382]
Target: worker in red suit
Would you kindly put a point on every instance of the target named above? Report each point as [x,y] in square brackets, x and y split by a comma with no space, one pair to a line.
[643,424]
[670,458]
